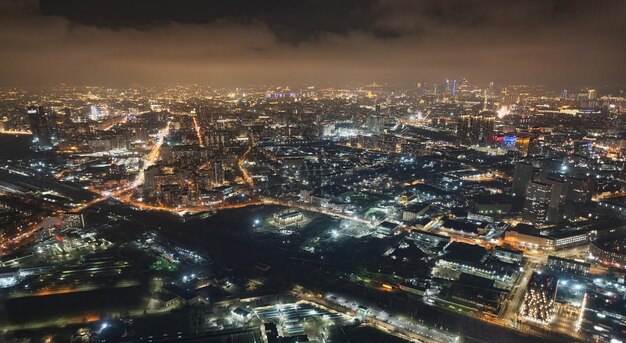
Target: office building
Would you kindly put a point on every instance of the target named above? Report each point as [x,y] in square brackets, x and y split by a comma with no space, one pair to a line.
[528,236]
[218,172]
[567,265]
[375,123]
[538,196]
[43,126]
[580,189]
[522,145]
[545,201]
[556,206]
[412,212]
[522,175]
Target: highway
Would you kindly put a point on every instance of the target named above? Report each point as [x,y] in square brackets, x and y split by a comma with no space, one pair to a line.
[14,242]
[151,158]
[245,174]
[24,235]
[198,132]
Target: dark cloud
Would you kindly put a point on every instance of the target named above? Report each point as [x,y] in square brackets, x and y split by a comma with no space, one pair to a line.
[289,20]
[296,21]
[286,41]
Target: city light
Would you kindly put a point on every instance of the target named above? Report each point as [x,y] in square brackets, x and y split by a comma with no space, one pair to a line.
[503,111]
[340,176]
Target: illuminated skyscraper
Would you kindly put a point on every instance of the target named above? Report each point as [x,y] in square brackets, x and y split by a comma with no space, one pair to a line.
[94,113]
[216,138]
[522,145]
[545,201]
[218,172]
[538,196]
[375,123]
[476,129]
[485,102]
[43,126]
[592,94]
[463,87]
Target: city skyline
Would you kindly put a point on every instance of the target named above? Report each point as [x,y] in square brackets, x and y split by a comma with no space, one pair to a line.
[346,171]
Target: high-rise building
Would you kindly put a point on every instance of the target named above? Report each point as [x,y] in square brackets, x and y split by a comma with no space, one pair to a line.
[485,102]
[476,129]
[463,88]
[522,145]
[43,126]
[463,130]
[556,206]
[218,172]
[149,184]
[522,175]
[580,189]
[584,148]
[216,138]
[94,113]
[447,89]
[545,201]
[375,123]
[591,94]
[539,298]
[537,201]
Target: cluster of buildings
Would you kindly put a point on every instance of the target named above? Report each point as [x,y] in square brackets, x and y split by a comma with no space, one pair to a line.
[550,195]
[467,188]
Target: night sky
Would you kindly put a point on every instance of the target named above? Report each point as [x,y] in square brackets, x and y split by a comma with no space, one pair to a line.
[237,42]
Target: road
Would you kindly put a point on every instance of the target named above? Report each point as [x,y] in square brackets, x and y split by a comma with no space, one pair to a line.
[244,173]
[514,300]
[198,132]
[16,241]
[148,160]
[152,156]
